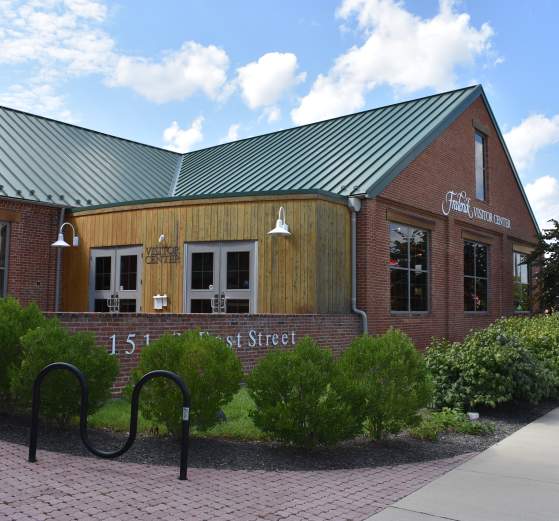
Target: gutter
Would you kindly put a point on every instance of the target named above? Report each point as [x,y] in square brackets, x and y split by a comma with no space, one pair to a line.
[58,265]
[354,204]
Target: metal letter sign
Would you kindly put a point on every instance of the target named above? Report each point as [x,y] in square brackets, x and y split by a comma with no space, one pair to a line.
[460,202]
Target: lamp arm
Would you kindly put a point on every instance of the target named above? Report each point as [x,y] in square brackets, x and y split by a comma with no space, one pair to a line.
[280,213]
[71,226]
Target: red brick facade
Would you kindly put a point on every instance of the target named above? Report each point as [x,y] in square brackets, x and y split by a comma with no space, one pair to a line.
[276,332]
[416,196]
[32,261]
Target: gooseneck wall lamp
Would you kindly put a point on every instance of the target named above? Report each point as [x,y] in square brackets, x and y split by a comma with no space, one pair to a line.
[61,243]
[281,229]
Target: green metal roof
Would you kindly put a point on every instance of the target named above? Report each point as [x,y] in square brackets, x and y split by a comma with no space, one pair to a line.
[45,160]
[355,154]
[359,154]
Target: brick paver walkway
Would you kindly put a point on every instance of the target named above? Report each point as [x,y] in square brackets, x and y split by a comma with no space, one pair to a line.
[62,486]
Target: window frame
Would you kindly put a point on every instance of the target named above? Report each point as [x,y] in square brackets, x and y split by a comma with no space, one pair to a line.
[475,277]
[409,311]
[4,275]
[483,137]
[528,283]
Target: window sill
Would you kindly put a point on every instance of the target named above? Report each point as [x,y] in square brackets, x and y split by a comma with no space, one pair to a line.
[410,314]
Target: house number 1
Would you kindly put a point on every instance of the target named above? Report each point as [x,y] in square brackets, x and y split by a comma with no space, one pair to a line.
[129,341]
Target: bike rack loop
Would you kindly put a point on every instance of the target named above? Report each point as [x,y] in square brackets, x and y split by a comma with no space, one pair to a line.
[133,413]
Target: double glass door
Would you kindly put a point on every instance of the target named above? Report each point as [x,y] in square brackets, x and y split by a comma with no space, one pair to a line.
[115,280]
[221,277]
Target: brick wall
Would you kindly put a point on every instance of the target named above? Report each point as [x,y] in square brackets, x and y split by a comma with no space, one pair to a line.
[334,331]
[417,193]
[32,261]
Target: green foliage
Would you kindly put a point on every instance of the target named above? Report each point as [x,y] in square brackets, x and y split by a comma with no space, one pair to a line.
[115,415]
[492,366]
[449,420]
[298,397]
[211,371]
[60,392]
[387,382]
[546,258]
[15,321]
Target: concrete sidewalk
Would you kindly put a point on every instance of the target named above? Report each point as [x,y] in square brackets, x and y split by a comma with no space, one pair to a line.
[515,480]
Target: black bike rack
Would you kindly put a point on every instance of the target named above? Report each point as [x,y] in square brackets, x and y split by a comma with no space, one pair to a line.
[133,413]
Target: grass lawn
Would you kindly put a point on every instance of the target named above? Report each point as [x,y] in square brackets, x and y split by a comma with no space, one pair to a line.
[115,415]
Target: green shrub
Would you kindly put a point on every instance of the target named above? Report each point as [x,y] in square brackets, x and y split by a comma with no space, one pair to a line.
[211,371]
[490,367]
[540,334]
[387,380]
[15,321]
[449,420]
[60,392]
[298,398]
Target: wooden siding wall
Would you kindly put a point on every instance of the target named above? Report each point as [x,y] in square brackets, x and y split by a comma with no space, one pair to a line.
[309,272]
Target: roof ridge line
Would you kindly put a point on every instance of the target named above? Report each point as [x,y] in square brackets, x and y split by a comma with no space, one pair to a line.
[106,134]
[380,107]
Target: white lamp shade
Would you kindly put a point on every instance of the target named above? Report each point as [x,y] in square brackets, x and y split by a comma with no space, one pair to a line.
[281,229]
[60,243]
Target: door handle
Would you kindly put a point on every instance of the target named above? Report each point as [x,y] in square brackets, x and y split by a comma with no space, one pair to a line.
[214,303]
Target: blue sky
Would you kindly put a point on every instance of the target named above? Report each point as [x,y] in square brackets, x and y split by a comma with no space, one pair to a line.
[190,74]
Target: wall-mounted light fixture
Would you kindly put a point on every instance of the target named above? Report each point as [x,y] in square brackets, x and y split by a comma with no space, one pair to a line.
[61,243]
[281,229]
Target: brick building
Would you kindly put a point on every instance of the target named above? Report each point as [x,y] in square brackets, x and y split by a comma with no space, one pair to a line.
[410,215]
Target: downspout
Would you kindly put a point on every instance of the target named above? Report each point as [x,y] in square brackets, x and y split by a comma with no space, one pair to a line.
[58,265]
[354,204]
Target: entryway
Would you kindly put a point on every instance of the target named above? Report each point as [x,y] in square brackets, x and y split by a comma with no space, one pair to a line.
[220,277]
[115,279]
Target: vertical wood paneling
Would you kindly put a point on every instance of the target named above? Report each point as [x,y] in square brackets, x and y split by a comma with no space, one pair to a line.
[308,272]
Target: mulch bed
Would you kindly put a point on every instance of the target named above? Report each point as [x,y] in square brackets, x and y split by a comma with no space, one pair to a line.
[248,455]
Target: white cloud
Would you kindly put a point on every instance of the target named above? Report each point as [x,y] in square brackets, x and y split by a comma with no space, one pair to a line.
[401,50]
[232,133]
[193,68]
[532,134]
[60,37]
[182,140]
[543,194]
[38,99]
[264,82]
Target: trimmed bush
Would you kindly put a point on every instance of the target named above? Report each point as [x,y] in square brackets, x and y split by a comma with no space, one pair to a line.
[490,367]
[60,392]
[211,371]
[298,397]
[15,321]
[387,381]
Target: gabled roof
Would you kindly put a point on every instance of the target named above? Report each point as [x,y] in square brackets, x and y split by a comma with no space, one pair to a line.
[49,161]
[354,154]
[359,154]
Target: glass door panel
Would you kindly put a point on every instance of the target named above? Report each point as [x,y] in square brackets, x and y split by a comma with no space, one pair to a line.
[101,275]
[236,265]
[128,279]
[202,278]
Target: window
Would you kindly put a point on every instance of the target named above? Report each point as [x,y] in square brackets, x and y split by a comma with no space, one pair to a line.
[4,236]
[409,270]
[480,165]
[521,282]
[475,276]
